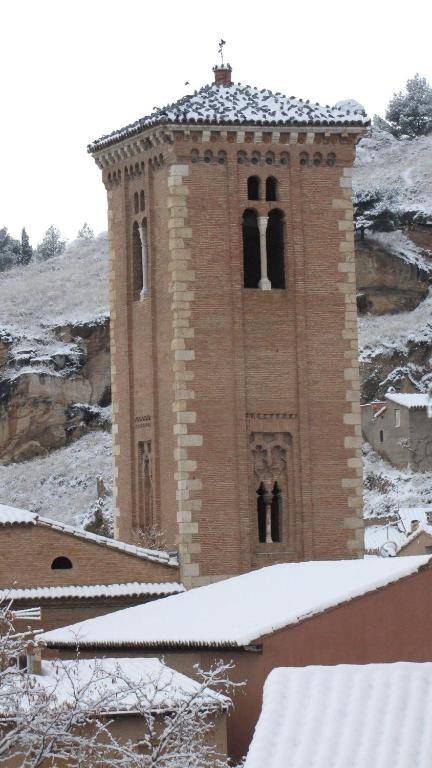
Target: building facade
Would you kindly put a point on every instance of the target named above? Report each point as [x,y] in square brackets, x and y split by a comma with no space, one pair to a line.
[399,429]
[233,328]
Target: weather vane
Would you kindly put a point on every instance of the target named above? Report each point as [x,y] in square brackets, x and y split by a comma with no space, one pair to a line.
[220,50]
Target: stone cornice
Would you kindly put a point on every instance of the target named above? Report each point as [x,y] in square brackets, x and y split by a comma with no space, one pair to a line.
[150,139]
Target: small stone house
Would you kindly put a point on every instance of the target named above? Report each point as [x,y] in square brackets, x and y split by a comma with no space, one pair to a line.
[348,715]
[398,428]
[73,574]
[292,614]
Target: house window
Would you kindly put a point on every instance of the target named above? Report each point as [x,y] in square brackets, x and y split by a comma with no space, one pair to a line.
[61,564]
[381,435]
[397,417]
[253,188]
[275,249]
[251,250]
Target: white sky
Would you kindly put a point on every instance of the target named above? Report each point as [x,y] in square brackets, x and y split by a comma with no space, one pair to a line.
[72,71]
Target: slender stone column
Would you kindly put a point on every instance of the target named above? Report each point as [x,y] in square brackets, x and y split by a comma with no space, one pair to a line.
[264,283]
[144,258]
[268,498]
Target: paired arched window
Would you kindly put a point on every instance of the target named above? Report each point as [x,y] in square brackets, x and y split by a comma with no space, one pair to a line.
[273,261]
[61,564]
[142,200]
[253,188]
[269,514]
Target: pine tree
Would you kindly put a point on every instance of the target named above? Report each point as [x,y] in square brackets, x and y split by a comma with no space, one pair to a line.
[10,250]
[26,249]
[51,245]
[411,112]
[86,232]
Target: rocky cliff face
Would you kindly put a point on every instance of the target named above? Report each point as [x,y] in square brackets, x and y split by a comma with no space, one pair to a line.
[54,354]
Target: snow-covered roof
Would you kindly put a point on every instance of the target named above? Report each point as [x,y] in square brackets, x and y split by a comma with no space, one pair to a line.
[408,399]
[12,516]
[400,533]
[237,104]
[88,591]
[356,716]
[239,610]
[100,680]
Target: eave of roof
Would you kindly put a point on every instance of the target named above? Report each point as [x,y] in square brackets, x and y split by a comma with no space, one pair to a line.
[223,105]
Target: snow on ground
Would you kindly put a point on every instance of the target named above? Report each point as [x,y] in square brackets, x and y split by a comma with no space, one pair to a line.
[62,485]
[71,288]
[388,489]
[384,334]
[397,171]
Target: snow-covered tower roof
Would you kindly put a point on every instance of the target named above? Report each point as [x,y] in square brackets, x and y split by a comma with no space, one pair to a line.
[227,103]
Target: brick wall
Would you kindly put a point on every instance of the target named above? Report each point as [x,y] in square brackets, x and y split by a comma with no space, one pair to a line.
[92,563]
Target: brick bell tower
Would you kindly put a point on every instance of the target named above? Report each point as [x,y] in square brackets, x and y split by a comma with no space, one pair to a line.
[236,416]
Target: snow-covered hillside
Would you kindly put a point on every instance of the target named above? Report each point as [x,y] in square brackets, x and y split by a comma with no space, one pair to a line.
[71,288]
[394,174]
[61,485]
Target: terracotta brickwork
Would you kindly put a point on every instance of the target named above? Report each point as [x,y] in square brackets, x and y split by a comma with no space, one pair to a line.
[203,367]
[91,563]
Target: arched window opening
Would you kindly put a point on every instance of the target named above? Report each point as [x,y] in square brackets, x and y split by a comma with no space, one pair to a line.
[241,158]
[253,188]
[276,514]
[142,166]
[142,200]
[284,158]
[317,158]
[256,157]
[136,203]
[137,169]
[251,250]
[261,514]
[137,269]
[61,564]
[331,158]
[304,158]
[208,156]
[271,187]
[194,156]
[269,158]
[275,249]
[221,157]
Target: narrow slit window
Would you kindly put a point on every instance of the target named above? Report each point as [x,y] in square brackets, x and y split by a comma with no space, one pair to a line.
[251,250]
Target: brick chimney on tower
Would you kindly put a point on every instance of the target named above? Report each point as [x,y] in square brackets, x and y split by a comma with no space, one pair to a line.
[222,73]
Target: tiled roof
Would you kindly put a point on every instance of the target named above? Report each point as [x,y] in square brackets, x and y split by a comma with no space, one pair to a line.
[240,610]
[13,516]
[160,687]
[375,715]
[408,399]
[237,104]
[88,591]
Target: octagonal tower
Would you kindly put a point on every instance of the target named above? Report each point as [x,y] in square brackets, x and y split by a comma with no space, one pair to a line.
[236,415]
